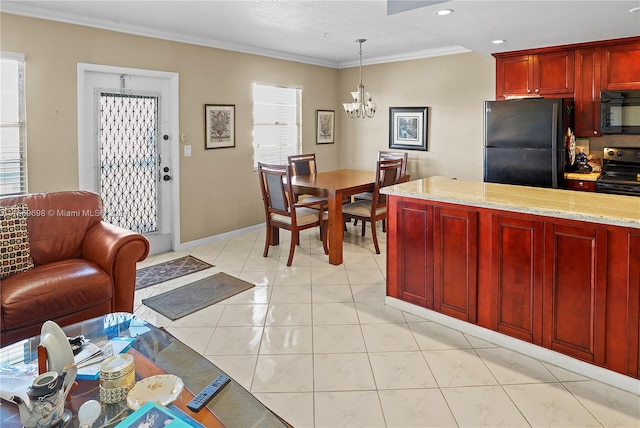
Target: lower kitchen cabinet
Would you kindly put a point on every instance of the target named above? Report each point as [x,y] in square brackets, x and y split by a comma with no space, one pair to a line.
[455,257]
[633,287]
[516,276]
[566,285]
[574,296]
[414,247]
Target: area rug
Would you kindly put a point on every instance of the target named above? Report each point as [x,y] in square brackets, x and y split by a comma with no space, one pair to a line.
[152,275]
[192,297]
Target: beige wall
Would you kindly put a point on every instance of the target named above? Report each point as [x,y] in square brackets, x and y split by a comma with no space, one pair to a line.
[453,87]
[218,190]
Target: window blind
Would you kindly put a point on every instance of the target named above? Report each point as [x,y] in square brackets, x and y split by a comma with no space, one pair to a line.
[277,130]
[13,152]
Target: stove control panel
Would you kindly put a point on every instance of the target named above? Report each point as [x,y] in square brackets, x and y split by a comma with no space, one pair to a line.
[626,154]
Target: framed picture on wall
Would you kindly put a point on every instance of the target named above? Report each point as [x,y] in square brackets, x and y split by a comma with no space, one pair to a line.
[325,126]
[408,128]
[219,126]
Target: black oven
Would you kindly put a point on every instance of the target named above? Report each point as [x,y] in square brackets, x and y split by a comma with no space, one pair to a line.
[620,171]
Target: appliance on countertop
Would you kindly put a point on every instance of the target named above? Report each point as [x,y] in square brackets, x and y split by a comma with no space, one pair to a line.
[620,171]
[524,141]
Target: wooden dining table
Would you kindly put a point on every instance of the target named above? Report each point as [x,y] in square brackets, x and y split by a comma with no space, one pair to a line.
[335,186]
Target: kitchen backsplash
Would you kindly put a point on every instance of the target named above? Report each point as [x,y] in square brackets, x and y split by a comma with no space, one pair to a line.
[594,147]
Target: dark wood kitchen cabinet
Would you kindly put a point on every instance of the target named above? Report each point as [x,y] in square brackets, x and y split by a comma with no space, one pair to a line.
[621,67]
[516,275]
[455,272]
[587,93]
[546,74]
[580,71]
[569,285]
[633,287]
[414,246]
[574,291]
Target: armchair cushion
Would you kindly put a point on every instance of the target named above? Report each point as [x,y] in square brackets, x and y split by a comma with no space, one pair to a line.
[15,253]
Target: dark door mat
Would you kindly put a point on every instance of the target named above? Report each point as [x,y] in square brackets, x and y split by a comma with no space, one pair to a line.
[175,304]
[152,275]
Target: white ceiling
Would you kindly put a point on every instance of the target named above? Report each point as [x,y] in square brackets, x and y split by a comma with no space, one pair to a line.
[323,32]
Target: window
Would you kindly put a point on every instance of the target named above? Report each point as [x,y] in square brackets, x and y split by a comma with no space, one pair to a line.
[277,128]
[13,152]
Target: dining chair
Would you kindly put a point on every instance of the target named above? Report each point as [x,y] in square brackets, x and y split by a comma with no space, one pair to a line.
[304,164]
[282,212]
[386,155]
[387,174]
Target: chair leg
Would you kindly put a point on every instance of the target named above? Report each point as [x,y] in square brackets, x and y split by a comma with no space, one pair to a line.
[267,242]
[292,248]
[323,231]
[375,237]
[364,226]
[384,225]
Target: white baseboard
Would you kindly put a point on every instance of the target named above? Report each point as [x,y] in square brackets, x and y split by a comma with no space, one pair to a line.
[220,237]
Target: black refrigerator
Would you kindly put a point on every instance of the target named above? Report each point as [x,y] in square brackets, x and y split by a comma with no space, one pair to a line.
[524,141]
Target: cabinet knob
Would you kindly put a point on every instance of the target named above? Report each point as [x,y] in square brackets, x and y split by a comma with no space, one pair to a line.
[537,90]
[595,132]
[581,184]
[528,91]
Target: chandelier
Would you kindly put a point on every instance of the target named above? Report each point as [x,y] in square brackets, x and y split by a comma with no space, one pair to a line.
[362,106]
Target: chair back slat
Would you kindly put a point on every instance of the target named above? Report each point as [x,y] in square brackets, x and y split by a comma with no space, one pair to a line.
[303,164]
[388,173]
[389,154]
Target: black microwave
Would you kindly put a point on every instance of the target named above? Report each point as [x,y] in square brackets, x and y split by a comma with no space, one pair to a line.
[620,112]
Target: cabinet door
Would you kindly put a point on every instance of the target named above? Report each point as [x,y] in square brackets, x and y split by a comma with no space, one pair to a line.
[553,73]
[414,250]
[516,274]
[633,362]
[587,93]
[621,67]
[514,76]
[574,291]
[456,262]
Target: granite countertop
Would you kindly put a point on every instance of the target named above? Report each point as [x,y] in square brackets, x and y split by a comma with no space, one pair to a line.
[592,176]
[586,206]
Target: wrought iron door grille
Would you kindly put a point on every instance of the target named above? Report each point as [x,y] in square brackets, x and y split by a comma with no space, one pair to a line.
[129,167]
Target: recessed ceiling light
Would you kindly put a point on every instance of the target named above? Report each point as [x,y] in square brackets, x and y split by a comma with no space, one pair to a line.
[498,41]
[444,12]
[635,9]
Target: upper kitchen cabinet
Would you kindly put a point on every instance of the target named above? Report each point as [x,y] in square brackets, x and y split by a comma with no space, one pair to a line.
[545,74]
[621,67]
[587,93]
[577,71]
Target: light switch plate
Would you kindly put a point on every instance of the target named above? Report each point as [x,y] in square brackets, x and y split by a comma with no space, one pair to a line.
[187,151]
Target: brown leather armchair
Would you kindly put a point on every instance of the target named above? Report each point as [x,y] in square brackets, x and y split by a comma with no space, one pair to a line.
[84,267]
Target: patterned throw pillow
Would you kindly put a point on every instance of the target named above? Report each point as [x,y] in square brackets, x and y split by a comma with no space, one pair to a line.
[15,253]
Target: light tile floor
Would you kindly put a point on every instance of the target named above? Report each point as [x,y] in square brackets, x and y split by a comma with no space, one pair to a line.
[317,344]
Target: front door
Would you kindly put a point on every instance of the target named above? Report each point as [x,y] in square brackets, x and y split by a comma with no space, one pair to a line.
[127,152]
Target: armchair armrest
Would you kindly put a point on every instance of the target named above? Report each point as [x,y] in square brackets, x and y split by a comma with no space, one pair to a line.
[116,251]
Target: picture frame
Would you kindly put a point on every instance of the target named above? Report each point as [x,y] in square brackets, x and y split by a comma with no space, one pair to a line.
[408,128]
[325,126]
[219,126]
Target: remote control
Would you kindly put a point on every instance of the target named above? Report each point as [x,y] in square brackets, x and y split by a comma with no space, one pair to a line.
[209,391]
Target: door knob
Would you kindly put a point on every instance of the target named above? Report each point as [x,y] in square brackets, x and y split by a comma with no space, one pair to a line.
[166,177]
[165,169]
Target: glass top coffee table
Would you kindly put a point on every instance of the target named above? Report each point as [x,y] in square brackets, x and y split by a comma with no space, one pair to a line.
[155,352]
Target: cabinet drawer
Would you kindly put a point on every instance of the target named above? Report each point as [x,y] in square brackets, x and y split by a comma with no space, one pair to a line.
[583,185]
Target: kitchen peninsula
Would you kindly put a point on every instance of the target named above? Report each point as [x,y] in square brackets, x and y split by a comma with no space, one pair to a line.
[558,269]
